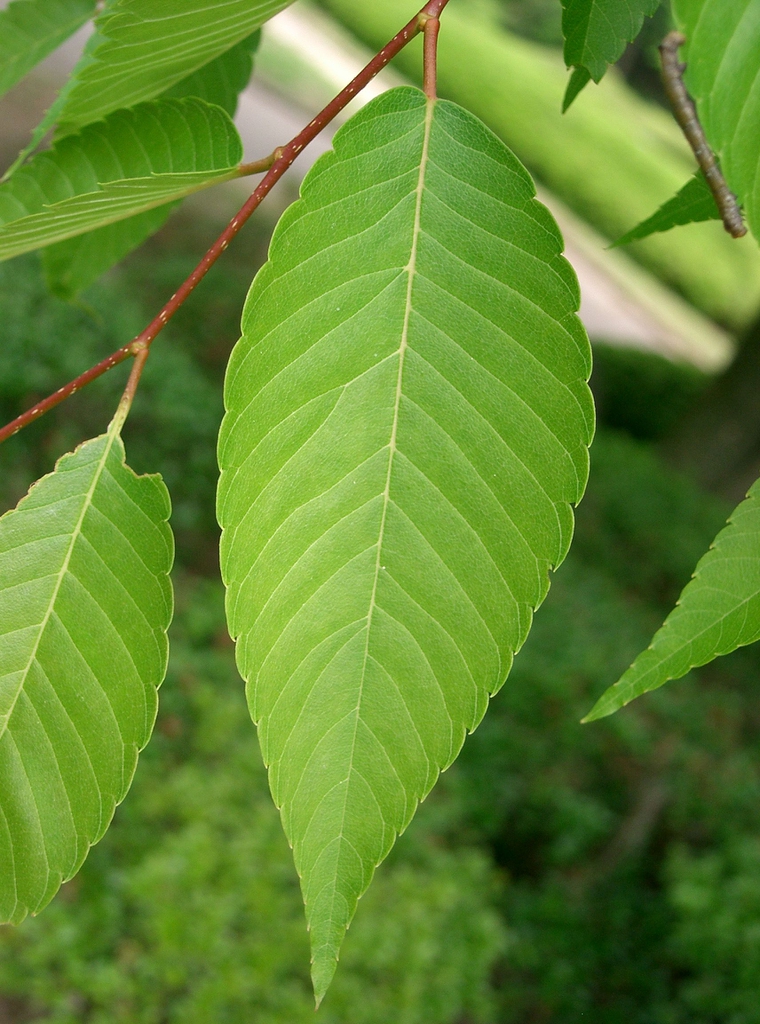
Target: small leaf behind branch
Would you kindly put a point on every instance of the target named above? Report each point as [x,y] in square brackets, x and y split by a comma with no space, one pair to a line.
[31,29]
[131,162]
[718,611]
[407,428]
[694,202]
[85,602]
[596,33]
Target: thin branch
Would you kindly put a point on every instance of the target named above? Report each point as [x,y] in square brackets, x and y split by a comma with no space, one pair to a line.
[65,392]
[686,115]
[134,379]
[278,164]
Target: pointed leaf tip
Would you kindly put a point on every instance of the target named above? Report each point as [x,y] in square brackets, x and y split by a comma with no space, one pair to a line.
[692,203]
[323,970]
[579,79]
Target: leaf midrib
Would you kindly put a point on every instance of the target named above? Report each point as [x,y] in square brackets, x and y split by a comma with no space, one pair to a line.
[113,431]
[403,346]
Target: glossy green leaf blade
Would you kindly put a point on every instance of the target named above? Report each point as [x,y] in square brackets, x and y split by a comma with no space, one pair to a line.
[85,602]
[31,29]
[146,46]
[723,56]
[131,162]
[694,202]
[597,31]
[407,427]
[718,611]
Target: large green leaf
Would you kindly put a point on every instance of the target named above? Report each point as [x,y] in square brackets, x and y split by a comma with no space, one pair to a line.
[31,29]
[72,265]
[596,33]
[723,58]
[131,162]
[692,203]
[407,427]
[85,602]
[718,611]
[146,46]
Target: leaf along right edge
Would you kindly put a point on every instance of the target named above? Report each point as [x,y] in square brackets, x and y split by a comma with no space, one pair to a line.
[407,427]
[717,612]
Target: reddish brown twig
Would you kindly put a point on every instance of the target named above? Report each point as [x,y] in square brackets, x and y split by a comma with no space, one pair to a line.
[431,26]
[280,162]
[686,115]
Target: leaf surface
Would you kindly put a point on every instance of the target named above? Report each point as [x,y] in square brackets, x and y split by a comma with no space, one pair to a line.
[718,611]
[596,33]
[85,602]
[407,427]
[723,56]
[222,80]
[147,46]
[131,162]
[72,265]
[31,29]
[694,202]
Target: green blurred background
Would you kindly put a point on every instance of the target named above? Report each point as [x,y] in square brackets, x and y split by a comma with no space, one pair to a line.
[559,872]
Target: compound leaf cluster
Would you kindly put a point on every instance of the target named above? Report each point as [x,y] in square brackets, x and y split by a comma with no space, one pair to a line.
[130,163]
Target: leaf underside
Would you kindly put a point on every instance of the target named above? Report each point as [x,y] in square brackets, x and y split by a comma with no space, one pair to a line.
[85,601]
[718,611]
[407,427]
[145,47]
[596,34]
[72,265]
[31,29]
[131,162]
[723,56]
[692,203]
[223,79]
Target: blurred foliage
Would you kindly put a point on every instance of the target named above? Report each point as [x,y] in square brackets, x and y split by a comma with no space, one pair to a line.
[558,872]
[644,396]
